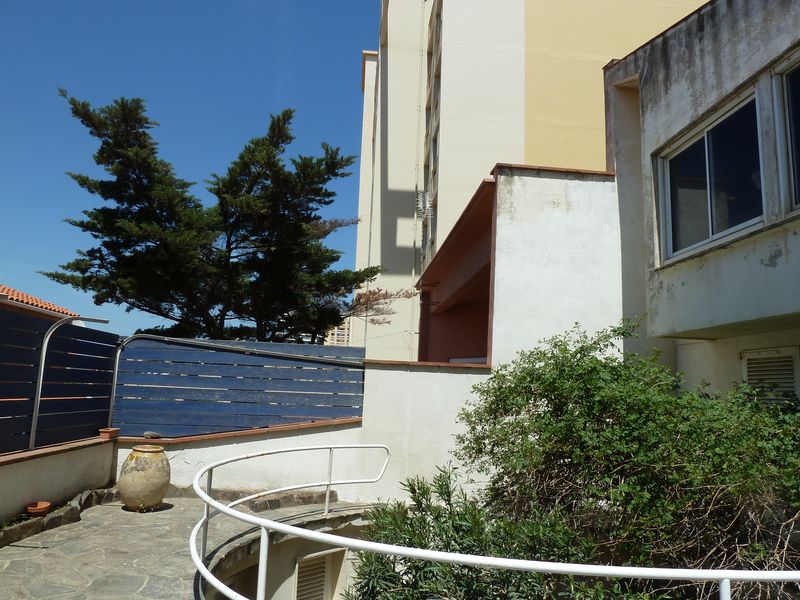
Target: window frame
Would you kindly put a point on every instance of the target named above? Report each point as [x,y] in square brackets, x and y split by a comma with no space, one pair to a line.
[673,149]
[789,195]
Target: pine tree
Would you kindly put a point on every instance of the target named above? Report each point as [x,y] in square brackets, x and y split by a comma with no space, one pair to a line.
[252,265]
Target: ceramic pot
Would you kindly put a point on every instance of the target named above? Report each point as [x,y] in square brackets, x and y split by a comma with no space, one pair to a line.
[38,509]
[144,477]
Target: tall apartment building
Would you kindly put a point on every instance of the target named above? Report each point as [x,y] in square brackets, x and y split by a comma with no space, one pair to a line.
[457,86]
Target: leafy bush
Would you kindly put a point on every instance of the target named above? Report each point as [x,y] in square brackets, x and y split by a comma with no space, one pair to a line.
[442,516]
[650,473]
[596,456]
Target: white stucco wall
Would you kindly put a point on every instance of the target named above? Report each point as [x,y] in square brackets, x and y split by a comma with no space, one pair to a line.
[557,257]
[54,477]
[410,408]
[186,459]
[413,409]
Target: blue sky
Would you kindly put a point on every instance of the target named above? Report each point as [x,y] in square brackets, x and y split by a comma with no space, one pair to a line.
[211,74]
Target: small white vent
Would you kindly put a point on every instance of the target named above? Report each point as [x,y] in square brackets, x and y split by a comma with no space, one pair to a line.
[312,579]
[775,370]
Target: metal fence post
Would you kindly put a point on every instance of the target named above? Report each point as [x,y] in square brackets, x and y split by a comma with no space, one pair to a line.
[114,377]
[725,589]
[206,517]
[330,475]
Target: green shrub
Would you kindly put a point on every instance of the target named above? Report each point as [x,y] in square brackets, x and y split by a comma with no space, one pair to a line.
[652,474]
[596,456]
[442,516]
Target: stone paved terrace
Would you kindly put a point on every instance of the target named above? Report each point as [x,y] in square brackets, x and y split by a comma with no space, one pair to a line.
[116,554]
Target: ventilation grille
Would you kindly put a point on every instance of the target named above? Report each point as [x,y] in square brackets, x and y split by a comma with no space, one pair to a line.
[774,372]
[312,575]
[424,206]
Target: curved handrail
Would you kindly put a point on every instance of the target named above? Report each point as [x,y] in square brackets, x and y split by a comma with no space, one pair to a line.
[723,576]
[199,557]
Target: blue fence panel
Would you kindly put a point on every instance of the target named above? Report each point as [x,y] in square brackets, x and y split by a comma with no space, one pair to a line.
[20,345]
[76,388]
[177,390]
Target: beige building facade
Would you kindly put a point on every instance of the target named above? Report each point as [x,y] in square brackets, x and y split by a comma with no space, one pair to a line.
[457,86]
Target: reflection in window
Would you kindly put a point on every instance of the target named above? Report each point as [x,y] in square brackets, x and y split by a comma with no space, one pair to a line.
[793,106]
[689,196]
[718,175]
[734,169]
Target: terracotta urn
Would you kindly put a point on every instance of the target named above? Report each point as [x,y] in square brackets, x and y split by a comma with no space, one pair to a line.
[144,477]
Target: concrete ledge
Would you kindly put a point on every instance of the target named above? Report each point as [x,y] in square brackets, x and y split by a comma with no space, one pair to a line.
[226,435]
[23,455]
[371,362]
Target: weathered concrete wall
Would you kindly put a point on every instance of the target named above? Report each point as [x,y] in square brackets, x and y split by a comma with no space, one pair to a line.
[684,76]
[557,257]
[411,408]
[741,291]
[717,293]
[56,477]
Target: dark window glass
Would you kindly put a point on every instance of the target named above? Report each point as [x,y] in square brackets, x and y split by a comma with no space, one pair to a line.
[689,196]
[734,169]
[793,101]
[719,175]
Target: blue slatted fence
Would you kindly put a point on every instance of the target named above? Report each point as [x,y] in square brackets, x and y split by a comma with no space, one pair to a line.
[178,390]
[76,388]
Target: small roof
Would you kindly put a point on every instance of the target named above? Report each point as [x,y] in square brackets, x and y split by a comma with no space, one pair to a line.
[9,293]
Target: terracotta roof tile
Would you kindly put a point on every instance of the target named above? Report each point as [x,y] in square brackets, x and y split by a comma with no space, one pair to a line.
[27,299]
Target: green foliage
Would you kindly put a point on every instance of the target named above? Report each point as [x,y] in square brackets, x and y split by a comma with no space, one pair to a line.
[649,473]
[441,516]
[595,456]
[252,265]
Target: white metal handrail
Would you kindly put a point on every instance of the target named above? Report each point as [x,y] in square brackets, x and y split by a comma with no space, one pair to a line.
[723,576]
[228,509]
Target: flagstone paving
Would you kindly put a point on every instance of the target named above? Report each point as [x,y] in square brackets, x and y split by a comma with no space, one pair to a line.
[112,553]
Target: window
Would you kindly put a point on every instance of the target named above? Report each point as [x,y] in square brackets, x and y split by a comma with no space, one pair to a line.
[792,86]
[713,185]
[774,371]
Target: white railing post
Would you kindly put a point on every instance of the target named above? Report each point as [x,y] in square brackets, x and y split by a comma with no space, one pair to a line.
[263,553]
[725,589]
[206,515]
[330,477]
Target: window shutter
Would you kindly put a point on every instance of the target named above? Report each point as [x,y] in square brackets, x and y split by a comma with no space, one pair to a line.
[312,577]
[774,370]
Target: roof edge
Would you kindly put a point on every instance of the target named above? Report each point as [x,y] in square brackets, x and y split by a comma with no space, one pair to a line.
[557,170]
[614,61]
